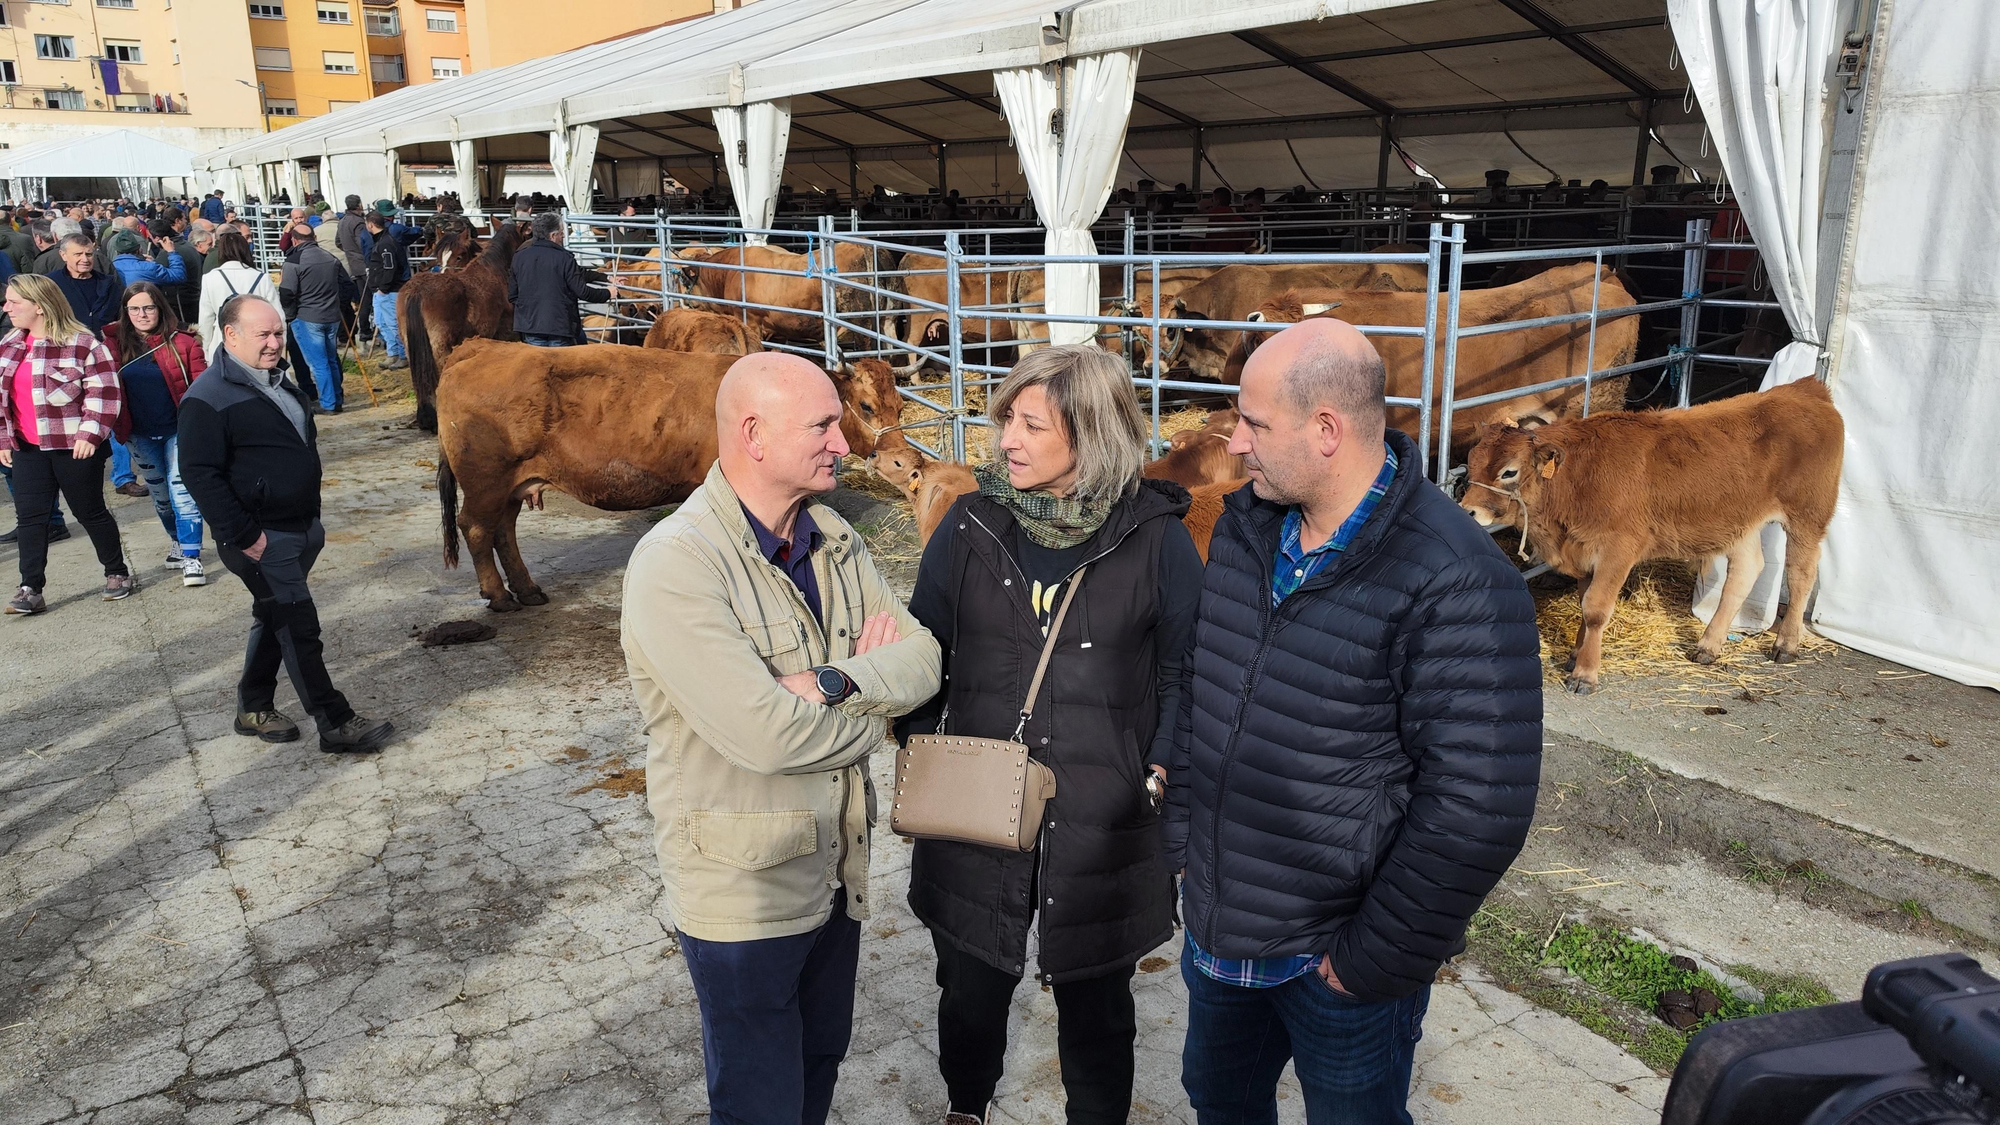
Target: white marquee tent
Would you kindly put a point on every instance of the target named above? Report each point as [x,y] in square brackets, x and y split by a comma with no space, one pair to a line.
[1878,240]
[123,155]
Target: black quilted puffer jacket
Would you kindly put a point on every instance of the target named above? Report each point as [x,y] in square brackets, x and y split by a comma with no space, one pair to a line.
[1359,765]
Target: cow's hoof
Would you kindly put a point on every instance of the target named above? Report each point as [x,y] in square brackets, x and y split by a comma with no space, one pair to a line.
[532,596]
[502,605]
[1703,656]
[1579,686]
[1780,656]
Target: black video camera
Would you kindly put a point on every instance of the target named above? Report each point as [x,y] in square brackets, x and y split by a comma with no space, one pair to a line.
[1922,1047]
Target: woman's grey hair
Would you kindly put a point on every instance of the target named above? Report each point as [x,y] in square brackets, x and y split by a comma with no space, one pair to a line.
[1092,394]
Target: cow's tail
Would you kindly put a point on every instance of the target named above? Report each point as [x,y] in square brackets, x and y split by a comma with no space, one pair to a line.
[423,363]
[448,507]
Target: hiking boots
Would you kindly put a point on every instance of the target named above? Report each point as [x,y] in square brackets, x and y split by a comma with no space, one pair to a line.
[271,726]
[117,586]
[356,736]
[26,602]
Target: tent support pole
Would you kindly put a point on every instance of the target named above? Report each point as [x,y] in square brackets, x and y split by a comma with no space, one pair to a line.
[1382,158]
[853,175]
[941,177]
[1853,76]
[1200,153]
[1645,144]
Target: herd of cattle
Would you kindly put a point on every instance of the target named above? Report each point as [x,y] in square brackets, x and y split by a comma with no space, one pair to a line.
[625,428]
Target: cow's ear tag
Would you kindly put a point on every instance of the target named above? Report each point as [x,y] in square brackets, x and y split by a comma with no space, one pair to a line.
[1549,469]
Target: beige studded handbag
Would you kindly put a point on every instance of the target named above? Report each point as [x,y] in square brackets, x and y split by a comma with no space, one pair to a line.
[978,790]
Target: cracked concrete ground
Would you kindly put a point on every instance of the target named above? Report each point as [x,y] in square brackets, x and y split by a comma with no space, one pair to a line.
[204,928]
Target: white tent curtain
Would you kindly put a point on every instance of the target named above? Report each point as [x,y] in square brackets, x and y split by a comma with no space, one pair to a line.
[465,177]
[31,187]
[1068,122]
[572,156]
[293,180]
[370,175]
[1761,70]
[132,188]
[754,138]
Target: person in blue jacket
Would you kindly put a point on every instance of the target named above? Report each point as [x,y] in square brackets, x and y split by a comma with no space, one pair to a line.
[166,269]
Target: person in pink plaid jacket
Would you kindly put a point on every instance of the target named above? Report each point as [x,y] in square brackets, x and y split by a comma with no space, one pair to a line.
[59,399]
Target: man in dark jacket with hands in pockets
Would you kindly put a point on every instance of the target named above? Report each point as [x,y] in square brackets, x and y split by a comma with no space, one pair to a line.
[249,456]
[1359,759]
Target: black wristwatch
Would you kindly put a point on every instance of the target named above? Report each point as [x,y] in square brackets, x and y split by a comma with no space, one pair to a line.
[834,684]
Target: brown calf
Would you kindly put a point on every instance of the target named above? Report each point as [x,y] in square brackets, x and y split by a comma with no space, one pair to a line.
[693,330]
[1201,459]
[930,485]
[1596,496]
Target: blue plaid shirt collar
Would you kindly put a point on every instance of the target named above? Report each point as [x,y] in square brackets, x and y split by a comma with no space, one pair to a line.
[1294,564]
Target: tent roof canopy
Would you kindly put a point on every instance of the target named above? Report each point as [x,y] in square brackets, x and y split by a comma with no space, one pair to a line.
[108,155]
[897,79]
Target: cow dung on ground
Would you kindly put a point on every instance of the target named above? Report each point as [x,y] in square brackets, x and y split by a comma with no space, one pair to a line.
[456,633]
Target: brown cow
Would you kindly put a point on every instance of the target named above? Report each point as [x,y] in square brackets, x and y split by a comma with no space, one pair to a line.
[437,311]
[1486,364]
[1220,421]
[930,485]
[692,330]
[617,428]
[923,277]
[1596,496]
[1234,292]
[706,276]
[1202,459]
[1028,287]
[1204,508]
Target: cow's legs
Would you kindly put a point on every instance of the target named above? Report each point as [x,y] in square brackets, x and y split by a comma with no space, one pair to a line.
[1607,578]
[1583,598]
[1801,571]
[1746,561]
[480,528]
[508,545]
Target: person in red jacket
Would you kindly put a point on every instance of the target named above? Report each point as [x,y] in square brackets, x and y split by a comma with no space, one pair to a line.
[157,361]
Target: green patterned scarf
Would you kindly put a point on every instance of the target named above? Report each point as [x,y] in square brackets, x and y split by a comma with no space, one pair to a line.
[1054,522]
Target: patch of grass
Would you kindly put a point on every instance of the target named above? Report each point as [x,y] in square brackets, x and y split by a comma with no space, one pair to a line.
[1754,868]
[1913,909]
[1784,992]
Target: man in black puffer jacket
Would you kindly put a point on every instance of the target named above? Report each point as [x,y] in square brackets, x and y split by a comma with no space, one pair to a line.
[1359,760]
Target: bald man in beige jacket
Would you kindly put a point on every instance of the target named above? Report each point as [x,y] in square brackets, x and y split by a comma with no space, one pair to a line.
[768,657]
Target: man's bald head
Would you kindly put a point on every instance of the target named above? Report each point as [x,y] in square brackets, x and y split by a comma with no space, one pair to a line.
[777,429]
[1326,362]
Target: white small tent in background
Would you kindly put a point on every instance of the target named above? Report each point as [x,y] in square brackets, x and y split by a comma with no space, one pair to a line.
[137,162]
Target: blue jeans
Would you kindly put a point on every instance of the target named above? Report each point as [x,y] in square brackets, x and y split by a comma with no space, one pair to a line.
[321,345]
[121,465]
[776,1017]
[385,324]
[159,459]
[548,341]
[55,510]
[1353,1060]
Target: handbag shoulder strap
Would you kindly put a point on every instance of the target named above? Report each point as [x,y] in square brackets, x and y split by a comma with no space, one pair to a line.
[1048,650]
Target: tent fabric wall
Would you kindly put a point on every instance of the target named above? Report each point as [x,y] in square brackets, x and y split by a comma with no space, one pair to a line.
[1908,571]
[754,138]
[573,157]
[1068,123]
[1762,73]
[465,178]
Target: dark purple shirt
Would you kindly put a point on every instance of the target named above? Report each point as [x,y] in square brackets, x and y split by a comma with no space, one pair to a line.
[794,555]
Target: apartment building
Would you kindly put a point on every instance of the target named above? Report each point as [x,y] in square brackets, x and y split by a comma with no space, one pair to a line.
[505,32]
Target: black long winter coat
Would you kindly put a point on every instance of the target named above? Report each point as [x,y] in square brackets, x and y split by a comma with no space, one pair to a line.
[1097,877]
[1361,762]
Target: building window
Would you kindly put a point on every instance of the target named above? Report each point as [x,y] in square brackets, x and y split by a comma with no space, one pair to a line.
[281,107]
[383,23]
[55,47]
[338,62]
[333,11]
[133,103]
[270,11]
[445,68]
[440,21]
[333,105]
[4,22]
[8,75]
[117,4]
[63,99]
[386,68]
[272,58]
[124,50]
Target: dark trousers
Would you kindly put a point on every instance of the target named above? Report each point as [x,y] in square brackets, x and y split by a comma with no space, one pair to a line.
[1353,1060]
[38,475]
[1095,1028]
[55,515]
[301,370]
[776,1016]
[548,341]
[284,627]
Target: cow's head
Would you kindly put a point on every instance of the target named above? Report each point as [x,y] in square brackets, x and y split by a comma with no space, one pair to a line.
[1505,474]
[900,465]
[872,407]
[1288,307]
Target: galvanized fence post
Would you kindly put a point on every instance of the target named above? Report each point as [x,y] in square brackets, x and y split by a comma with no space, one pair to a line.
[663,241]
[829,320]
[1433,265]
[1450,354]
[957,345]
[1693,263]
[1131,295]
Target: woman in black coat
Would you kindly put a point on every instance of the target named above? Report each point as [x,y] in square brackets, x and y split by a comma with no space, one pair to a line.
[1095,895]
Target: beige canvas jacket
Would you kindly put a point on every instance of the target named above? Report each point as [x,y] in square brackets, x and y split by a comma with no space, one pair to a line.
[761,801]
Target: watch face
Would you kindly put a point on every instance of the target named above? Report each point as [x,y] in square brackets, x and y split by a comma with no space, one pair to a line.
[831,682]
